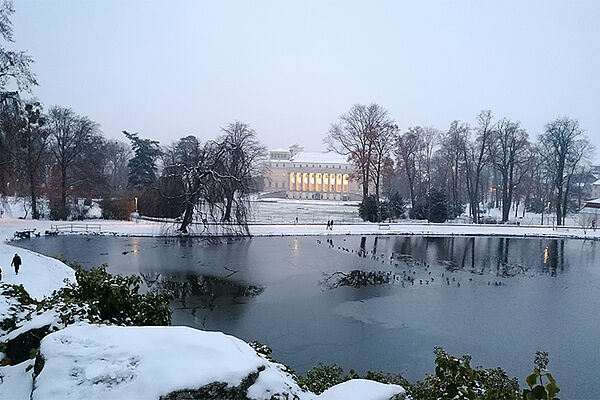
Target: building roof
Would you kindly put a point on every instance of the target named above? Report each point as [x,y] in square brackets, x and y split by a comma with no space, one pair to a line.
[596,183]
[314,157]
[280,149]
[592,204]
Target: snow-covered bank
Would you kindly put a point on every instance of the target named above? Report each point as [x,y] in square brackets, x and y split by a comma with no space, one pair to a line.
[39,275]
[98,362]
[146,228]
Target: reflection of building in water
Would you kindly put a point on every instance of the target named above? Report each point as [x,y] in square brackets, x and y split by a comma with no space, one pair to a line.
[296,174]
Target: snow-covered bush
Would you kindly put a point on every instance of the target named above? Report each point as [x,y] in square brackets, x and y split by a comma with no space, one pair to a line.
[101,297]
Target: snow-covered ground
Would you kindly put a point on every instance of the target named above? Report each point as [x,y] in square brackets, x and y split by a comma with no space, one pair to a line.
[40,275]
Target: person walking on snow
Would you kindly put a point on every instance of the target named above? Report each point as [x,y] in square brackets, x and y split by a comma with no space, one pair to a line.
[594,224]
[16,262]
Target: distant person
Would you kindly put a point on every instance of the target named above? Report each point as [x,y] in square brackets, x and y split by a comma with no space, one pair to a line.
[331,226]
[594,224]
[328,223]
[16,262]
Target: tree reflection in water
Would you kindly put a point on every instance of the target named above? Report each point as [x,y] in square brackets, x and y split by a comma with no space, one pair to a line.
[202,291]
[358,279]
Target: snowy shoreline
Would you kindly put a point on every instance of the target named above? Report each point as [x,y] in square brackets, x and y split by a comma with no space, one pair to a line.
[165,229]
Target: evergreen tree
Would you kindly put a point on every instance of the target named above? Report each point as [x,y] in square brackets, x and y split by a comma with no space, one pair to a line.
[142,167]
[438,205]
[432,207]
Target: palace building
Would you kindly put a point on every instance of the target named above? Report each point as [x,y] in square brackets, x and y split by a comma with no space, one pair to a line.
[296,174]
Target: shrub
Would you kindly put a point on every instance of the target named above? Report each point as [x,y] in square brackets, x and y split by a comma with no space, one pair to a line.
[321,378]
[455,379]
[117,208]
[392,208]
[102,297]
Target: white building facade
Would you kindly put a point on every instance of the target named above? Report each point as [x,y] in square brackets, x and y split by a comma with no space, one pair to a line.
[296,174]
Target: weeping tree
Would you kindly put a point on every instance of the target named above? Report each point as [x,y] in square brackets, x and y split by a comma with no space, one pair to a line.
[241,163]
[216,178]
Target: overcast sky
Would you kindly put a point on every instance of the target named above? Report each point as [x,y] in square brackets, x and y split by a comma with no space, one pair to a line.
[172,68]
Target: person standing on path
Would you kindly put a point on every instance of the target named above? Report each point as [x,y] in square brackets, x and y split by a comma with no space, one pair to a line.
[16,262]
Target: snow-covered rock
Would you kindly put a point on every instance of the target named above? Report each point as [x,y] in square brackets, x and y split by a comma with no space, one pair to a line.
[99,362]
[16,381]
[363,389]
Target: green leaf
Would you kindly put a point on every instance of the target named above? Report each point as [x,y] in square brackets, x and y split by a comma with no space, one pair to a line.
[539,393]
[552,388]
[532,380]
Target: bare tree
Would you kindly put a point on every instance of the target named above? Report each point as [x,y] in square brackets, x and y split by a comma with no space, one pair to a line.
[408,148]
[241,162]
[452,143]
[563,144]
[508,152]
[383,144]
[14,65]
[10,124]
[216,178]
[430,140]
[474,151]
[118,154]
[31,147]
[69,135]
[354,135]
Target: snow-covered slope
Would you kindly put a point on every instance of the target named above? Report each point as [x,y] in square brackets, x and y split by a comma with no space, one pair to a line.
[39,275]
[99,362]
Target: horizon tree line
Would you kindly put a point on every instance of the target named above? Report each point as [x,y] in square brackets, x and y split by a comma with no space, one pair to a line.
[493,163]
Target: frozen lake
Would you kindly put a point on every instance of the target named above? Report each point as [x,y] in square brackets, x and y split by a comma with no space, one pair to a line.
[379,303]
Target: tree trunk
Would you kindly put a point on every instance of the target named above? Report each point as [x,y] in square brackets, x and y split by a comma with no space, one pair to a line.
[566,197]
[63,194]
[187,217]
[377,199]
[34,211]
[559,205]
[229,203]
